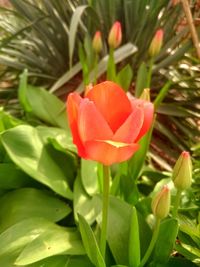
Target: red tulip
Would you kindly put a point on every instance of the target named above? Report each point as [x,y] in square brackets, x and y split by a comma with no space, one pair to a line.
[115,35]
[106,125]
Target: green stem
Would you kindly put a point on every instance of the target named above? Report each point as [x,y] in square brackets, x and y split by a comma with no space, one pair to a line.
[176,203]
[95,68]
[106,183]
[152,244]
[111,68]
[150,72]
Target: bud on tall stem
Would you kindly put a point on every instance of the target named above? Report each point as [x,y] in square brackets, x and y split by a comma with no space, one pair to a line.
[182,173]
[97,43]
[161,203]
[115,35]
[156,43]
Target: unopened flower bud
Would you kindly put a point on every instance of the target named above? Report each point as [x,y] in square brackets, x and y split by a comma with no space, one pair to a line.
[97,42]
[115,35]
[146,95]
[156,43]
[182,173]
[161,203]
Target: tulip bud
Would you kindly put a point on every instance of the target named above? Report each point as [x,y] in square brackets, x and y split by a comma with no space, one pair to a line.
[115,35]
[97,42]
[182,173]
[156,43]
[161,203]
[146,95]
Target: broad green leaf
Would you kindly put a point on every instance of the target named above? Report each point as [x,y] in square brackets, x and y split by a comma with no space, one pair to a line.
[141,81]
[90,243]
[134,241]
[56,240]
[75,261]
[166,240]
[87,206]
[7,121]
[12,177]
[60,138]
[124,77]
[47,107]
[19,235]
[89,176]
[27,203]
[119,230]
[54,261]
[25,148]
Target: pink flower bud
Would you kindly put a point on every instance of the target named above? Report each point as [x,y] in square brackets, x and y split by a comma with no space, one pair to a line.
[115,35]
[161,203]
[182,173]
[97,42]
[156,43]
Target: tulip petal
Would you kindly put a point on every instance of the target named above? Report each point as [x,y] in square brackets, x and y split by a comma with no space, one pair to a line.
[91,124]
[112,102]
[131,128]
[73,103]
[148,110]
[109,152]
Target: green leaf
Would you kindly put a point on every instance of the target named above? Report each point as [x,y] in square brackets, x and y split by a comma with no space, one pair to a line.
[59,138]
[90,243]
[12,177]
[89,176]
[37,204]
[124,77]
[134,241]
[165,242]
[89,207]
[19,235]
[118,234]
[75,20]
[22,92]
[75,261]
[56,240]
[66,77]
[47,107]
[25,148]
[137,161]
[175,262]
[141,81]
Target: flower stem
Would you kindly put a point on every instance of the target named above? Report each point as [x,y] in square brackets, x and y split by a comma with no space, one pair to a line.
[152,243]
[106,183]
[111,68]
[177,202]
[150,73]
[95,68]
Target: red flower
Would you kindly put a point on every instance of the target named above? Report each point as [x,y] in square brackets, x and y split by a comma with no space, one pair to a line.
[97,42]
[106,125]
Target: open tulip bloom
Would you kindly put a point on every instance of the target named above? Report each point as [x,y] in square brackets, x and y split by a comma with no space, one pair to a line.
[106,125]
